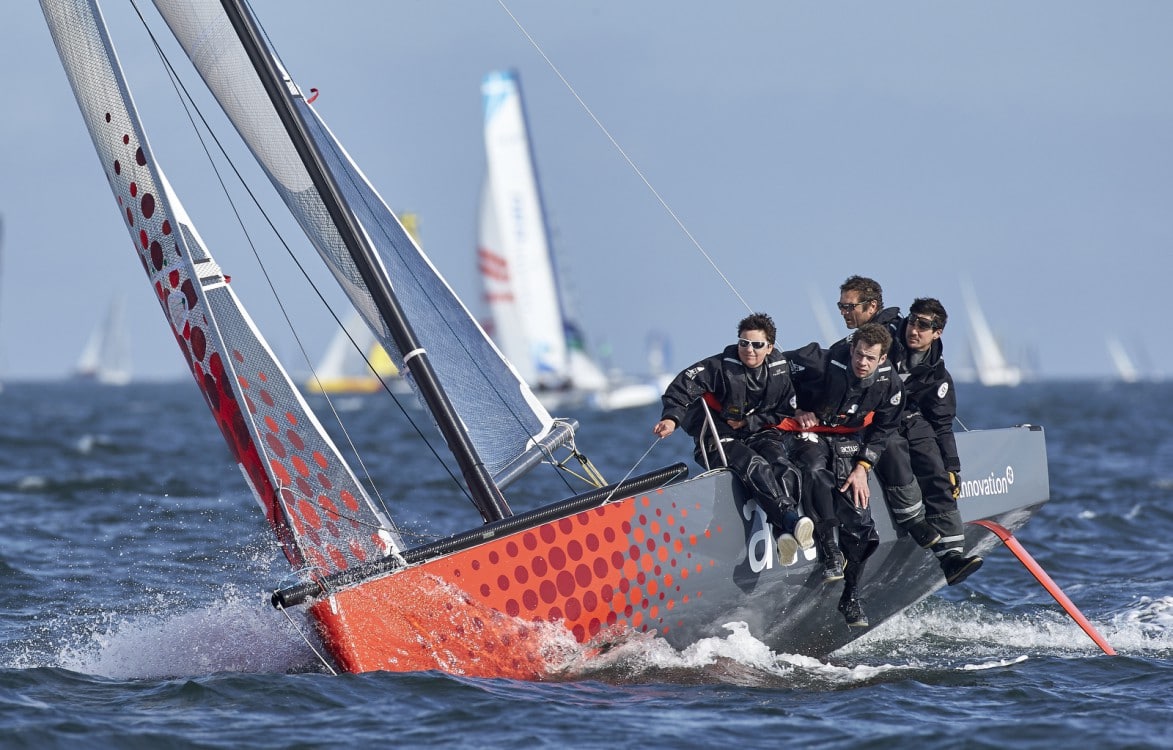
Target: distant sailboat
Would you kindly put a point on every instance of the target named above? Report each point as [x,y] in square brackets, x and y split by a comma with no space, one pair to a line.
[106,356]
[1125,368]
[355,362]
[344,367]
[827,330]
[989,361]
[528,318]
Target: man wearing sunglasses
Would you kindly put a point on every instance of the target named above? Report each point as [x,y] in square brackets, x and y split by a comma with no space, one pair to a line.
[861,301]
[747,389]
[928,443]
[914,476]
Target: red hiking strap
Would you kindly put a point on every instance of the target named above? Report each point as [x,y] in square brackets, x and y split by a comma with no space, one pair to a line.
[789,424]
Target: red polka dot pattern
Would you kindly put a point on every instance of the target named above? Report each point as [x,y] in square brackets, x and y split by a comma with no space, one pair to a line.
[315,505]
[627,565]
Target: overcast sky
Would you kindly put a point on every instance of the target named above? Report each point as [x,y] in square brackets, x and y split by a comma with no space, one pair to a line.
[1026,147]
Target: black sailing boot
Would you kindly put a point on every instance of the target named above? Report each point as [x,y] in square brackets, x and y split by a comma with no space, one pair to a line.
[923,534]
[908,509]
[829,553]
[957,567]
[849,603]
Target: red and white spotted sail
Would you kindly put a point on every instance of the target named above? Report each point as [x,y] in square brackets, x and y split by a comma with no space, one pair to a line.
[323,518]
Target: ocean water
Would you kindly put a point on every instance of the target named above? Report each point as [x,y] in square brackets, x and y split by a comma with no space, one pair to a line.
[135,570]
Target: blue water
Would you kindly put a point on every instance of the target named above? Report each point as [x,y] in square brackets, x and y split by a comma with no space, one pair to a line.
[135,570]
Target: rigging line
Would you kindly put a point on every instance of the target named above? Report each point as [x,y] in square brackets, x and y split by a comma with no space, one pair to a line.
[626,158]
[177,82]
[297,630]
[631,470]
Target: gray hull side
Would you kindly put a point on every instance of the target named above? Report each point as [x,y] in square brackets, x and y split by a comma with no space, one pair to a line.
[790,609]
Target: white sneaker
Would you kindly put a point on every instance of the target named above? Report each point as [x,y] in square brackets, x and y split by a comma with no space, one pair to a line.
[804,533]
[787,549]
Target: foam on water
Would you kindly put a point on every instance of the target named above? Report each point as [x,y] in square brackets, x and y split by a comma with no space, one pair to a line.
[235,634]
[241,633]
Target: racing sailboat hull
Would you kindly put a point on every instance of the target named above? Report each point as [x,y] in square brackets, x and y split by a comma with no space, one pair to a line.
[683,561]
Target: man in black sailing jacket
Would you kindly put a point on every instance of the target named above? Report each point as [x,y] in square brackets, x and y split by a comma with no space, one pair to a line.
[849,403]
[927,432]
[861,301]
[907,474]
[747,390]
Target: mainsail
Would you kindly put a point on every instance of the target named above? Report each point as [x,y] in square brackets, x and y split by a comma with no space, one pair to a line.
[319,511]
[503,419]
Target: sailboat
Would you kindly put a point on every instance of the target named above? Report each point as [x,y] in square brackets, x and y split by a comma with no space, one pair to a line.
[105,359]
[355,362]
[682,557]
[991,364]
[529,319]
[1125,368]
[828,333]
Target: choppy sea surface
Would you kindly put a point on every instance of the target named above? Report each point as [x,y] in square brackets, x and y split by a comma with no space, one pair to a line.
[135,569]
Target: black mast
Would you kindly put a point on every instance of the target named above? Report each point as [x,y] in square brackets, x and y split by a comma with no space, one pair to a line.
[486,496]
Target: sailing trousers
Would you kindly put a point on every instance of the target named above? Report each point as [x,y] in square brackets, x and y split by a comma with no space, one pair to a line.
[917,484]
[815,457]
[761,463]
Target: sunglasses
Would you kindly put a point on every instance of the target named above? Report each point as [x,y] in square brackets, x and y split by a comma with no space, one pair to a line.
[849,306]
[746,343]
[923,324]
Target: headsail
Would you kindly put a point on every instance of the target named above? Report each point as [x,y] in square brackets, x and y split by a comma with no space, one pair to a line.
[318,509]
[502,417]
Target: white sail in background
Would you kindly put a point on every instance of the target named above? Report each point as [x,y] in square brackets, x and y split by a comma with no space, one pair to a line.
[1125,367]
[517,268]
[989,361]
[105,358]
[827,329]
[529,320]
[354,362]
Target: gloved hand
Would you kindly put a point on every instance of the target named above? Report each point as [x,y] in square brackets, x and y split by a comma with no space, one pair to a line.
[955,483]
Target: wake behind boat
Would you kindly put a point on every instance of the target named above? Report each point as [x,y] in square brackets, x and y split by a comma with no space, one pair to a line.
[683,558]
